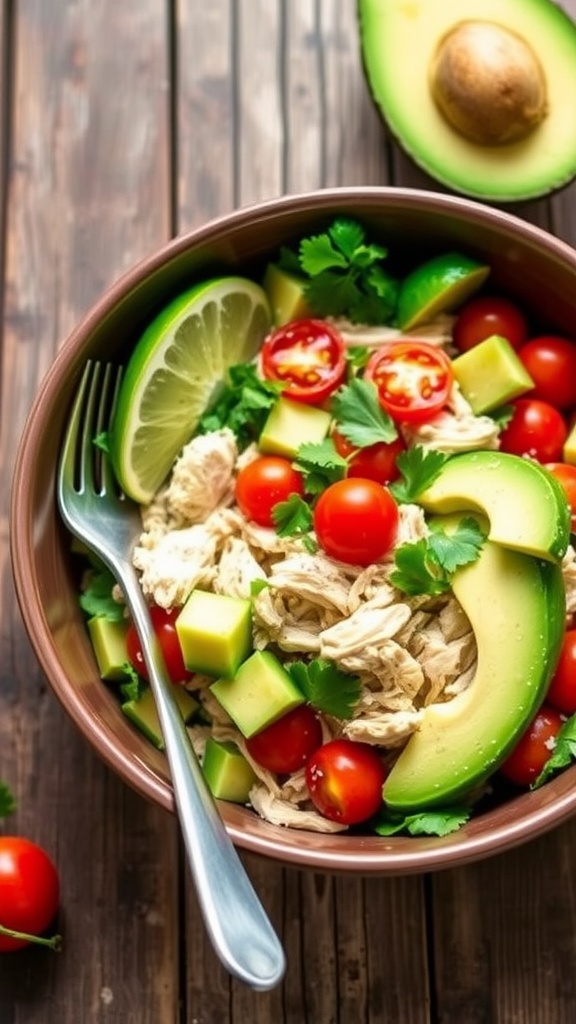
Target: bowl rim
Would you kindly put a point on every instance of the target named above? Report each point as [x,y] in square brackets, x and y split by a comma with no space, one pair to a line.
[378,856]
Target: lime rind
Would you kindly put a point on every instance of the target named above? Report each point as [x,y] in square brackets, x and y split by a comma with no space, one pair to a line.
[175,370]
[438,286]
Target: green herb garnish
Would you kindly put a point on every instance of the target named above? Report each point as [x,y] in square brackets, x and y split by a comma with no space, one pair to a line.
[426,566]
[419,468]
[437,822]
[360,417]
[96,596]
[564,753]
[320,465]
[325,687]
[293,518]
[242,404]
[345,275]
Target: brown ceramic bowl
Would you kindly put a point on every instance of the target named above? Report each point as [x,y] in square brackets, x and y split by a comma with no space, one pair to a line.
[526,262]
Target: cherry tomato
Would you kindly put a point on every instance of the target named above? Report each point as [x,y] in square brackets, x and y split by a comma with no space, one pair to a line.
[29,890]
[345,780]
[375,462]
[286,745]
[356,521]
[487,315]
[165,629]
[413,379]
[261,484]
[566,476]
[536,429]
[309,355]
[562,690]
[551,362]
[534,747]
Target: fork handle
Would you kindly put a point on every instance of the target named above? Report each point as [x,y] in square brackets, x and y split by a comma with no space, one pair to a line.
[236,921]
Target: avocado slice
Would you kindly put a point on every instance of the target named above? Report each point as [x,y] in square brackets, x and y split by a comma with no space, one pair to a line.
[491,374]
[525,505]
[399,41]
[227,772]
[516,607]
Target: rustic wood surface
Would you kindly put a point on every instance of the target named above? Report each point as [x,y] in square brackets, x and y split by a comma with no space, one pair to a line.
[122,124]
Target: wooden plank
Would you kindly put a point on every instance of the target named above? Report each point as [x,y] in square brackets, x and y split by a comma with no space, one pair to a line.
[89,194]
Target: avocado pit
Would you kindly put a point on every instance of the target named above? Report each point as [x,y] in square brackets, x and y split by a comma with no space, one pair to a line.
[488,83]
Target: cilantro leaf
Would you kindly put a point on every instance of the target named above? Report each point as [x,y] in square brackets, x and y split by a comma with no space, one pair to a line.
[426,566]
[563,754]
[293,517]
[361,418]
[320,465]
[134,686]
[96,596]
[435,822]
[242,404]
[325,687]
[345,275]
[7,801]
[419,467]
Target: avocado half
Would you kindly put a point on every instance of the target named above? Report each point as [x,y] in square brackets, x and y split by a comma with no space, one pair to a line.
[399,39]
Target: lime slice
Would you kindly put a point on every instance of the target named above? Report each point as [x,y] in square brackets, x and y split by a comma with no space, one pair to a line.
[438,286]
[175,370]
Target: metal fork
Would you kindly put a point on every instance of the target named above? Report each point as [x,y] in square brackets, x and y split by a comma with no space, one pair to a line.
[95,510]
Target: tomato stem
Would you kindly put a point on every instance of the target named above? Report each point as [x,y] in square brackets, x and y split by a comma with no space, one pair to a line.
[54,943]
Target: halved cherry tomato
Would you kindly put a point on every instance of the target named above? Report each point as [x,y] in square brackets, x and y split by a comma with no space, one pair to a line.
[536,429]
[345,780]
[263,483]
[413,379]
[375,462]
[29,890]
[562,690]
[309,355]
[487,315]
[163,622]
[356,521]
[566,476]
[534,748]
[551,362]
[286,745]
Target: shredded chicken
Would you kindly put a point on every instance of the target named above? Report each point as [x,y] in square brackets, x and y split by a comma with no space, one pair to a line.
[455,429]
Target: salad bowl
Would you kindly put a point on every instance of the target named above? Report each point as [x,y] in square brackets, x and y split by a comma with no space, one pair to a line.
[535,269]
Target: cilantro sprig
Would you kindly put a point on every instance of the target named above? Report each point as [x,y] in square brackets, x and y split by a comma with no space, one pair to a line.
[564,753]
[359,415]
[439,821]
[426,566]
[419,467]
[294,518]
[325,687]
[242,404]
[344,274]
[96,596]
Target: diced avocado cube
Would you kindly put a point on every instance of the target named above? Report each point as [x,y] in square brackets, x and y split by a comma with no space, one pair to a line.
[143,714]
[491,374]
[109,644]
[260,692]
[215,632]
[569,450]
[290,424]
[285,293]
[227,772]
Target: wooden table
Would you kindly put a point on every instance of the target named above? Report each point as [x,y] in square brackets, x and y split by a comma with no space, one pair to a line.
[124,123]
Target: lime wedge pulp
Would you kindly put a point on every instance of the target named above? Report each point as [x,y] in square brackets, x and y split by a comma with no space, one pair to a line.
[173,372]
[438,286]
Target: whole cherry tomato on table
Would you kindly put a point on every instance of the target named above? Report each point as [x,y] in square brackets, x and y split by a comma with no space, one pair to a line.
[551,362]
[413,379]
[487,315]
[534,748]
[285,745]
[308,355]
[345,780]
[375,462]
[356,521]
[164,623]
[263,483]
[29,891]
[536,429]
[562,690]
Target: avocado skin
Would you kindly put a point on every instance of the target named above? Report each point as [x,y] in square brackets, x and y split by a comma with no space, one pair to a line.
[539,165]
[461,743]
